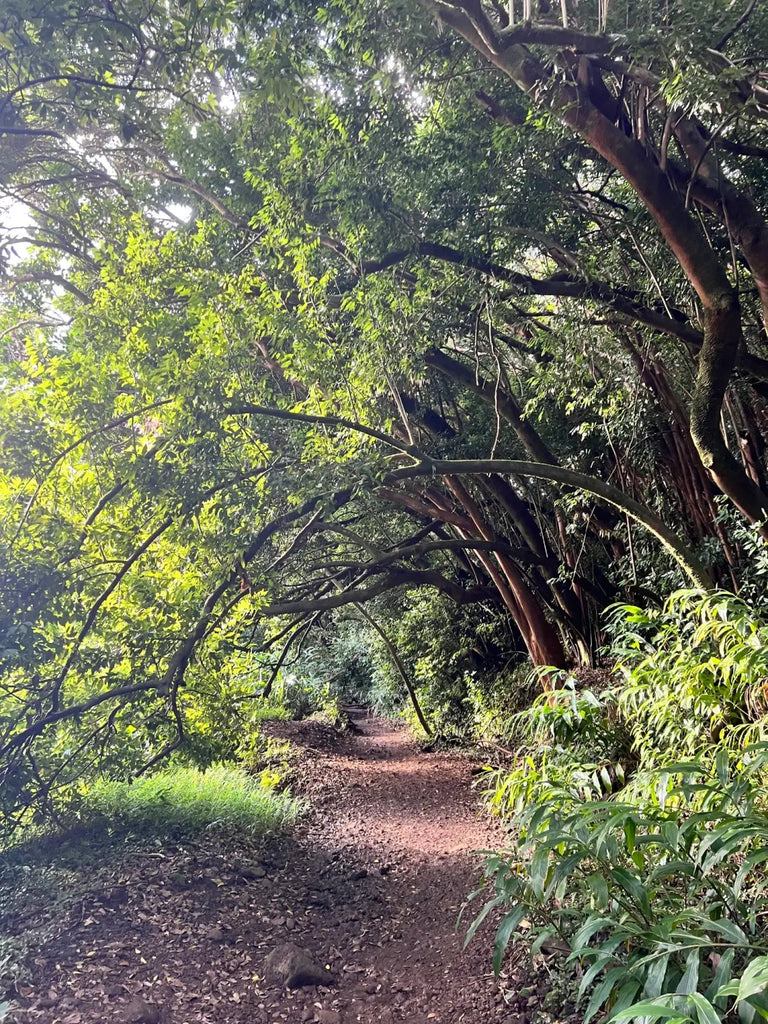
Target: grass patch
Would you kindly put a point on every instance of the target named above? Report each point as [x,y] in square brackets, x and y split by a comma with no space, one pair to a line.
[186,798]
[269,711]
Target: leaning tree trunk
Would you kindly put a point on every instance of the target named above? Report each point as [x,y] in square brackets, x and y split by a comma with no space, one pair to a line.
[539,634]
[577,102]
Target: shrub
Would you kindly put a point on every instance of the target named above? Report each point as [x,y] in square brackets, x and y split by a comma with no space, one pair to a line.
[695,673]
[571,742]
[665,900]
[647,869]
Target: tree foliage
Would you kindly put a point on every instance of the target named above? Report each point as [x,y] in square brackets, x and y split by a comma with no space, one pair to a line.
[307,304]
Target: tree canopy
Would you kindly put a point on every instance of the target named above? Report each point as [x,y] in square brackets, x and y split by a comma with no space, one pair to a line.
[307,304]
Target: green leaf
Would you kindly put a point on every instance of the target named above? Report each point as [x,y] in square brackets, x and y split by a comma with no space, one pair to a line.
[722,767]
[649,1010]
[626,994]
[632,885]
[599,888]
[758,857]
[604,989]
[630,832]
[503,934]
[746,1012]
[603,959]
[690,979]
[755,977]
[541,938]
[655,976]
[721,976]
[760,1004]
[728,929]
[593,924]
[705,1011]
[472,930]
[562,873]
[538,870]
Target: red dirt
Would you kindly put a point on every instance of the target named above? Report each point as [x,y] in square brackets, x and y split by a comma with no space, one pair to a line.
[371,883]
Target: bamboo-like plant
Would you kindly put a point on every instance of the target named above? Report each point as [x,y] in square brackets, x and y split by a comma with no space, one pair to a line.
[662,906]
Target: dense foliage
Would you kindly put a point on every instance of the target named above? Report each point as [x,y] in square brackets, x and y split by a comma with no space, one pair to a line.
[638,820]
[380,348]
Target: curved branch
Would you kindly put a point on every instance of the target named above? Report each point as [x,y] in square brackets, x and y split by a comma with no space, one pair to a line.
[301,630]
[429,467]
[180,659]
[56,279]
[401,669]
[126,567]
[571,100]
[118,421]
[98,603]
[73,711]
[392,580]
[558,35]
[740,23]
[622,300]
[329,421]
[693,568]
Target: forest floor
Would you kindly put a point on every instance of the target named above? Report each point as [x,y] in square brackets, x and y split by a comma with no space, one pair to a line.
[370,883]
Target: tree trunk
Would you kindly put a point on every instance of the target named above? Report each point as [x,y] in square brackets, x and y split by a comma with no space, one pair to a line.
[572,102]
[539,634]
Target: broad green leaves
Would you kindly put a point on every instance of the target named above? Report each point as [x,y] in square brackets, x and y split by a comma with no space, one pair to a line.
[666,935]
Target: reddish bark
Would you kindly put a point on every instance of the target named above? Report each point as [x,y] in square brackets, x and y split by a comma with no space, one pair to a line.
[572,103]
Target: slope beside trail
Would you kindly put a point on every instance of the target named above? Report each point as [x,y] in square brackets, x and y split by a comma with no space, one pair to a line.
[371,883]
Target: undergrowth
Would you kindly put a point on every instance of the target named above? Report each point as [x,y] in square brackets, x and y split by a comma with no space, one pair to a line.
[638,822]
[188,799]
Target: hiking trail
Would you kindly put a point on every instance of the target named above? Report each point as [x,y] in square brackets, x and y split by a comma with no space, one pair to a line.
[370,882]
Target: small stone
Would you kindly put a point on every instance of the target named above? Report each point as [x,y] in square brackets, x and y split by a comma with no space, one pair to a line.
[117,896]
[139,1012]
[292,966]
[251,871]
[328,1017]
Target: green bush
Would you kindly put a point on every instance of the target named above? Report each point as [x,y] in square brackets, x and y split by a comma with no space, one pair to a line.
[646,868]
[695,673]
[691,678]
[188,799]
[571,741]
[462,666]
[662,904]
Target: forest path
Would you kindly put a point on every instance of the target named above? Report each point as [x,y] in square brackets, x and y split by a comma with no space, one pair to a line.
[390,839]
[370,882]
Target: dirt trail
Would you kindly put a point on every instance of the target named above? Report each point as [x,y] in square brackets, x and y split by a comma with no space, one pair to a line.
[370,882]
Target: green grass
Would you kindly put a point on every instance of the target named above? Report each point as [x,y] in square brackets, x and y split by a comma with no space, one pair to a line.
[269,711]
[186,798]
